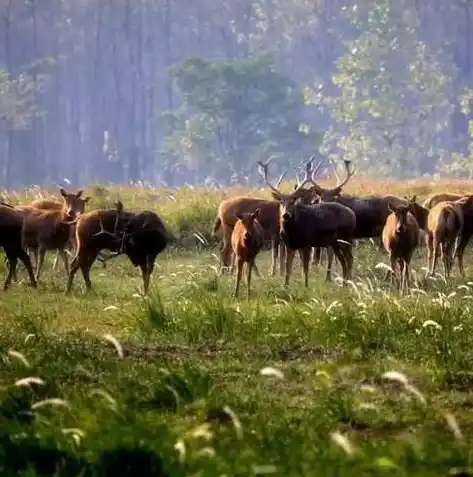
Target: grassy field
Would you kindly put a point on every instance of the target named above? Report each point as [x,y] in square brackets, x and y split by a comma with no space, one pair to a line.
[293,382]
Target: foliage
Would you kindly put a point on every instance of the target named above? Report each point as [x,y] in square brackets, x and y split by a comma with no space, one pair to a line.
[231,113]
[394,94]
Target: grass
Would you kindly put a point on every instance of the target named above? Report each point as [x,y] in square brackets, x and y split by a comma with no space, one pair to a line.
[293,382]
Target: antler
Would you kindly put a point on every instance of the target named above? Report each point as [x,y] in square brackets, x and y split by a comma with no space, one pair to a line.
[263,170]
[350,174]
[103,231]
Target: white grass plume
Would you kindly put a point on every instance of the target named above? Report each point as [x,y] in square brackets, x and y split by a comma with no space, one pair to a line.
[270,371]
[110,338]
[28,381]
[19,356]
[54,402]
[343,442]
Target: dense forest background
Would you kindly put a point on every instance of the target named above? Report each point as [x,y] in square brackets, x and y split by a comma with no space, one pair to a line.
[199,90]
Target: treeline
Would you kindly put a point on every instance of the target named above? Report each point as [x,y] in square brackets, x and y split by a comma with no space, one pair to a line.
[189,91]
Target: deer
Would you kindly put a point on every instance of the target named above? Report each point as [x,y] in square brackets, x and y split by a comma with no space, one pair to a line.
[48,204]
[268,218]
[324,224]
[247,241]
[140,236]
[446,231]
[11,225]
[400,238]
[51,229]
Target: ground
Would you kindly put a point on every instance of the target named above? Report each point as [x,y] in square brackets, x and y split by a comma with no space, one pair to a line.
[292,382]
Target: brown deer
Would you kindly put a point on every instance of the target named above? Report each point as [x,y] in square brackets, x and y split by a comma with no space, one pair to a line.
[247,241]
[226,219]
[435,199]
[302,227]
[446,225]
[51,229]
[80,203]
[400,238]
[11,225]
[140,236]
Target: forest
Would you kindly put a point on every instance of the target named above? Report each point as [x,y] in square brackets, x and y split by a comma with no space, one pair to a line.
[161,92]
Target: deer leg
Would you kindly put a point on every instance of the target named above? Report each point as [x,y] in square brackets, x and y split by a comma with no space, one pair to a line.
[459,252]
[348,254]
[289,259]
[12,260]
[305,258]
[435,248]
[337,250]
[56,259]
[255,268]
[328,273]
[275,246]
[39,265]
[85,267]
[249,268]
[317,252]
[283,252]
[226,249]
[403,271]
[392,260]
[146,271]
[25,258]
[65,260]
[238,275]
[73,270]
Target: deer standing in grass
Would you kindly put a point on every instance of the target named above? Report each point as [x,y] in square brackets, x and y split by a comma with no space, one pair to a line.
[51,229]
[446,225]
[247,240]
[302,227]
[400,238]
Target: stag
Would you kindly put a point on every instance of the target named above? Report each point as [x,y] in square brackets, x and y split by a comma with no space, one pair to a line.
[140,236]
[445,227]
[303,227]
[400,238]
[11,225]
[247,241]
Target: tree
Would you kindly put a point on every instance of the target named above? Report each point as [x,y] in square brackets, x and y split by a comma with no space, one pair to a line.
[231,113]
[395,97]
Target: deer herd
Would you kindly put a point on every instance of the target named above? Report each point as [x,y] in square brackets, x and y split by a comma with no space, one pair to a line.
[45,225]
[305,221]
[308,219]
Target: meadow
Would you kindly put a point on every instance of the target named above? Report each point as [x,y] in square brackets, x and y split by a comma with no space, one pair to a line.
[191,382]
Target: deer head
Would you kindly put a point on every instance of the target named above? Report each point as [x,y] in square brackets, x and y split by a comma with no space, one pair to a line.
[74,204]
[328,195]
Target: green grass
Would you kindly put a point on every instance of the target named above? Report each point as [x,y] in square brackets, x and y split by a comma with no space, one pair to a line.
[188,396]
[181,392]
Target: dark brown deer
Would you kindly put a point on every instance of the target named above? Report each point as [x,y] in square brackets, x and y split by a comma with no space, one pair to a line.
[11,225]
[303,227]
[446,225]
[400,238]
[140,236]
[247,241]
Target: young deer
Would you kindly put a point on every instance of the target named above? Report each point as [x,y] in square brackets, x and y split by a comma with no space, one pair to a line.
[247,240]
[51,229]
[400,238]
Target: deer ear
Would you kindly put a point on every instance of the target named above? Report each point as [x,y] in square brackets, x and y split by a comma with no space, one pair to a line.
[79,193]
[87,199]
[414,199]
[276,196]
[63,192]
